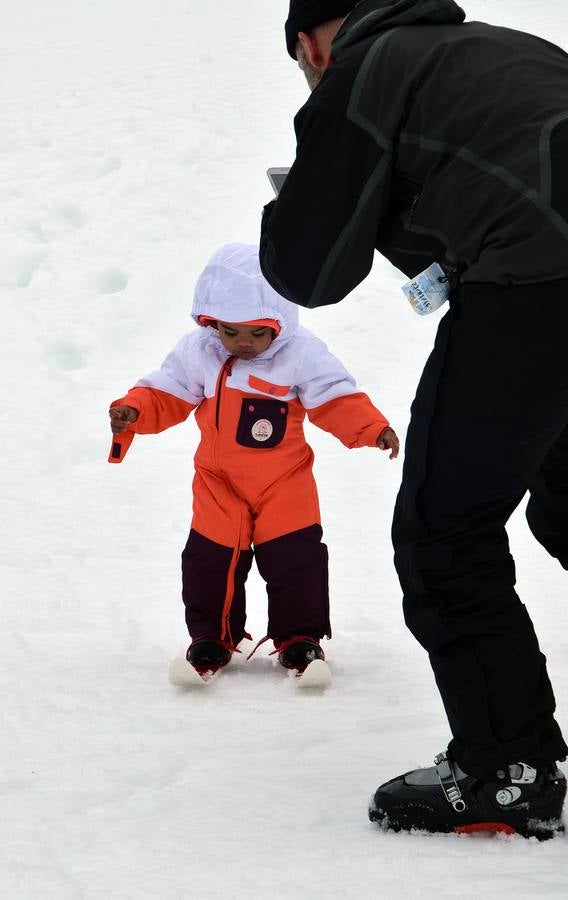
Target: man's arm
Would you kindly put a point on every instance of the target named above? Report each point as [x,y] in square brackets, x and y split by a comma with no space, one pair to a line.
[318,237]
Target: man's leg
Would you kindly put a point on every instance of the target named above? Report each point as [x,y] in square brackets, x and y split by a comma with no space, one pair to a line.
[547,509]
[492,403]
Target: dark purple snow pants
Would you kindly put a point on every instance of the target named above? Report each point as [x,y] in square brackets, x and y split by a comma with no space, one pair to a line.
[294,567]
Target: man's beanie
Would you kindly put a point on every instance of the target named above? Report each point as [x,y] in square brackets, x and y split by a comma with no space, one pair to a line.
[306,14]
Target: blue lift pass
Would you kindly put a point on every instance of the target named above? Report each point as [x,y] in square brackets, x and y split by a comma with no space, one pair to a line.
[428,291]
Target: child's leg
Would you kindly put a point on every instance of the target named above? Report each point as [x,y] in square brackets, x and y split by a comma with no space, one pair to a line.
[294,567]
[206,571]
[291,557]
[216,561]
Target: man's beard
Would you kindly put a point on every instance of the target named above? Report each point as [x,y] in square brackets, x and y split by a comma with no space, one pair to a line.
[313,76]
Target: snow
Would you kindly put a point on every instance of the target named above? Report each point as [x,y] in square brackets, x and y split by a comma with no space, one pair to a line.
[134,140]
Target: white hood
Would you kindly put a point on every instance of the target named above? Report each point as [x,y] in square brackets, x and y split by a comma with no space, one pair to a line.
[233,289]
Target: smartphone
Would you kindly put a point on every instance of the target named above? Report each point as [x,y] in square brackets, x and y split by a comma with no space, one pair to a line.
[277,177]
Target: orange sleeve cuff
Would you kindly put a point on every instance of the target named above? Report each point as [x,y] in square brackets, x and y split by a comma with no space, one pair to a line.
[157,410]
[352,419]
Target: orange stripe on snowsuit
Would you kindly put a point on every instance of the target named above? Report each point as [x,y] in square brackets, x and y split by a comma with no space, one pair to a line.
[275,390]
[229,597]
[230,591]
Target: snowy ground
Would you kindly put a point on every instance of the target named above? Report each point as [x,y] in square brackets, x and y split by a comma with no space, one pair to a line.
[134,139]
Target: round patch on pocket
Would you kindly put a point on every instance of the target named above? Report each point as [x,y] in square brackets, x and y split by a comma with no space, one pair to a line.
[262,430]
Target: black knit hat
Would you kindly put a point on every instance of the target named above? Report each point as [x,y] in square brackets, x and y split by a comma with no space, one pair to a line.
[306,14]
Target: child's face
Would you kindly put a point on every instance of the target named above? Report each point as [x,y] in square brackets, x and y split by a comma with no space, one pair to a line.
[245,341]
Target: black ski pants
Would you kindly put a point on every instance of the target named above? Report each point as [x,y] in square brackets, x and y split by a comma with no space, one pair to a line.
[489,423]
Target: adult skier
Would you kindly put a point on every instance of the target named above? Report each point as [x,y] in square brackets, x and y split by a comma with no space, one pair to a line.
[443,144]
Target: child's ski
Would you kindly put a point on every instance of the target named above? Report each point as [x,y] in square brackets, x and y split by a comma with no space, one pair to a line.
[317,674]
[183,674]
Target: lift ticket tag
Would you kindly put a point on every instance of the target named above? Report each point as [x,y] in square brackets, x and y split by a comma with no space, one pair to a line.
[428,291]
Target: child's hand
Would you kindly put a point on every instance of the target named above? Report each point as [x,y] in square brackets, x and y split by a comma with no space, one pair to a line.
[121,417]
[387,440]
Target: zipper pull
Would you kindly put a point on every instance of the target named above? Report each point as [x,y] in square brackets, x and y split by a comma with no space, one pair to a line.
[412,211]
[452,276]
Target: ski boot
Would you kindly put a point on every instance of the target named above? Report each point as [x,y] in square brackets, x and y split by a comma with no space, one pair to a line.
[518,800]
[208,655]
[298,651]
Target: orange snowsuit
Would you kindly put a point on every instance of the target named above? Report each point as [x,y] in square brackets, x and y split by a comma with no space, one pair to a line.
[253,483]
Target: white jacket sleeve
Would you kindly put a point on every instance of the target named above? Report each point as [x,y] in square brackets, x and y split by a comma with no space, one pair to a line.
[332,400]
[180,373]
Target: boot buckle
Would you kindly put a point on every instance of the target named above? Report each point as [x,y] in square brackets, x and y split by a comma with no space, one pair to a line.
[521,773]
[448,783]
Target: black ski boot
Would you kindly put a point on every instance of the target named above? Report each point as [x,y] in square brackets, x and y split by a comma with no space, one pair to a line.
[519,800]
[298,652]
[207,655]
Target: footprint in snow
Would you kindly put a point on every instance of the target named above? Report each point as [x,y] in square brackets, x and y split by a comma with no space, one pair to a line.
[66,355]
[110,281]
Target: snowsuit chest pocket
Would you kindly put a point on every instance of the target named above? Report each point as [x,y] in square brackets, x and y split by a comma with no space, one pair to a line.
[262,423]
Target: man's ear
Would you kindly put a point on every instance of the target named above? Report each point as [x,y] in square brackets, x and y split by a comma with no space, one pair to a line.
[312,50]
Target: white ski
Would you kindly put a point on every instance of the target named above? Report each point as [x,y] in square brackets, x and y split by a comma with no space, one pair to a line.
[316,675]
[182,674]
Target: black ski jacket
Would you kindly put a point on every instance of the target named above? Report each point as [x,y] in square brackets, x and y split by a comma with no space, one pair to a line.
[429,139]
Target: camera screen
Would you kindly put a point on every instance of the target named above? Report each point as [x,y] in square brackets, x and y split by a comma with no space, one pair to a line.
[277,179]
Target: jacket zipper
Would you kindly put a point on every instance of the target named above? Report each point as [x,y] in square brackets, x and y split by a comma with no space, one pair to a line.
[226,369]
[225,372]
[412,210]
